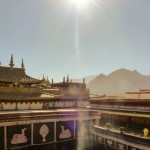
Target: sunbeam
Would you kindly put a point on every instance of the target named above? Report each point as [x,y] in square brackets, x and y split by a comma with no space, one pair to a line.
[80,3]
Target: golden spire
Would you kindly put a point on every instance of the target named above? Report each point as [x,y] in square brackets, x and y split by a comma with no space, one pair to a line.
[63,79]
[43,77]
[22,64]
[11,64]
[47,78]
[84,80]
[67,78]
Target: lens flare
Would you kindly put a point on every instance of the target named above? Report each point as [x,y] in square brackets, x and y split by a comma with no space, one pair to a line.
[80,4]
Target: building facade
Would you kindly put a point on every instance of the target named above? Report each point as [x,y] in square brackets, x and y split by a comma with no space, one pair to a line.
[20,91]
[124,121]
[39,112]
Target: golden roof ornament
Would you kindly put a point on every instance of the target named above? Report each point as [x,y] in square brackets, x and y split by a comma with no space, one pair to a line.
[11,64]
[84,80]
[63,79]
[47,78]
[22,64]
[43,77]
[67,78]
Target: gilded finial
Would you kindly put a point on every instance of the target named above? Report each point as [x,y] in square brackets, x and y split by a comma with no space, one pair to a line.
[52,81]
[83,80]
[22,64]
[63,79]
[67,78]
[43,77]
[47,78]
[11,64]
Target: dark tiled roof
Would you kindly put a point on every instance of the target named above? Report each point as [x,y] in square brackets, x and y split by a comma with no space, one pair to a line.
[8,74]
[67,84]
[19,93]
[45,82]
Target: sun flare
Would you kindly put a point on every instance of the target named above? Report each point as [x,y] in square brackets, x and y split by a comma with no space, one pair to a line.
[80,3]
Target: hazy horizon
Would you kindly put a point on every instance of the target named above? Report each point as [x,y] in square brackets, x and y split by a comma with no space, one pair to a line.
[55,38]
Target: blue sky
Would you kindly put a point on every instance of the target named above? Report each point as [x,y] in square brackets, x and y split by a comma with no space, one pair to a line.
[56,38]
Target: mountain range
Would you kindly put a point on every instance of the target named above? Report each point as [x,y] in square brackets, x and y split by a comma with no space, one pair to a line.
[87,79]
[118,82]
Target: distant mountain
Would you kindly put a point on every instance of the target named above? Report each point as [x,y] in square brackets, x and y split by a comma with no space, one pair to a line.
[118,82]
[87,79]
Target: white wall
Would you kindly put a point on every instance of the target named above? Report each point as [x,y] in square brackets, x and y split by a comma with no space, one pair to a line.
[8,106]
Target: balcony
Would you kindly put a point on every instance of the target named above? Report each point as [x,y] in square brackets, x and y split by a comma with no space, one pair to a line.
[126,136]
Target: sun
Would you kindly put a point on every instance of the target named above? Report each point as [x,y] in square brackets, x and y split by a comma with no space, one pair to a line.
[80,3]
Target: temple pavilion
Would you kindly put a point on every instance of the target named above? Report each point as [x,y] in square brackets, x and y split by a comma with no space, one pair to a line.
[20,91]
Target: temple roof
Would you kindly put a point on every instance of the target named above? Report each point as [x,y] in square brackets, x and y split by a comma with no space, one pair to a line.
[11,93]
[8,74]
[63,84]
